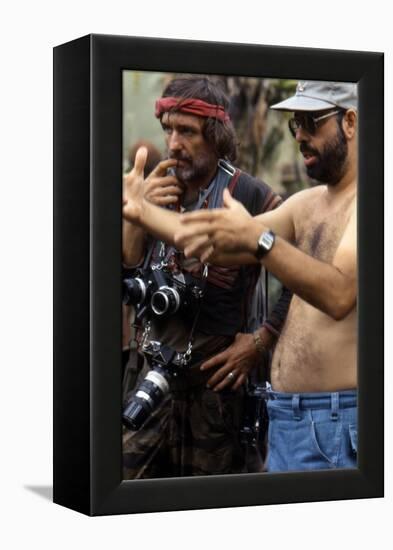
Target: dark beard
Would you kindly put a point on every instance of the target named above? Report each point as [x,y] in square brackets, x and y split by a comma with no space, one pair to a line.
[195,169]
[331,162]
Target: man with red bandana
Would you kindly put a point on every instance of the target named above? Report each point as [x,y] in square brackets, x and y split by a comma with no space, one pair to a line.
[309,244]
[195,430]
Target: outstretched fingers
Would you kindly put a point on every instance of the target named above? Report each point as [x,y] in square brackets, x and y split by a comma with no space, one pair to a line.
[140,161]
[198,247]
[198,216]
[187,236]
[208,254]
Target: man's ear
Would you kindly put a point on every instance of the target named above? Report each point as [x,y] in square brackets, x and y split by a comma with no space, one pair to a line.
[349,123]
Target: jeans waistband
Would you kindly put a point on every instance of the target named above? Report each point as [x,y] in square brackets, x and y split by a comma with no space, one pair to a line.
[319,400]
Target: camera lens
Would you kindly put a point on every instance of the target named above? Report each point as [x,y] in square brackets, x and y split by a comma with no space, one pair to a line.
[165,300]
[149,394]
[134,291]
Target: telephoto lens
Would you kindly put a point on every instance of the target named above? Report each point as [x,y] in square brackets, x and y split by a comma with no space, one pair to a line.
[148,396]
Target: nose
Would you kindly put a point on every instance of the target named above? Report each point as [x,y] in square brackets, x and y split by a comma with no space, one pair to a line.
[174,141]
[301,135]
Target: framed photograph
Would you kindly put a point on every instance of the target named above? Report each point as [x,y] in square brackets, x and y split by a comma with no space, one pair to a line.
[111,97]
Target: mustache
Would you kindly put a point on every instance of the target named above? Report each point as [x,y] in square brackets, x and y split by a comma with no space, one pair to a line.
[304,148]
[180,156]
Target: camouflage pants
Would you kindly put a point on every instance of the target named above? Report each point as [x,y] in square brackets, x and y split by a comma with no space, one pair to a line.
[193,432]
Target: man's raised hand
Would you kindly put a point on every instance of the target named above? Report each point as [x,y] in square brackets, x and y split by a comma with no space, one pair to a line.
[207,233]
[133,188]
[160,188]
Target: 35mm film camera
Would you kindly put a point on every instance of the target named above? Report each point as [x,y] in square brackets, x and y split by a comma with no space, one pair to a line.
[159,292]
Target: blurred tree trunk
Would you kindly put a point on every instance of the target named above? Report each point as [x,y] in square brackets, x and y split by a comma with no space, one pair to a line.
[248,110]
[249,107]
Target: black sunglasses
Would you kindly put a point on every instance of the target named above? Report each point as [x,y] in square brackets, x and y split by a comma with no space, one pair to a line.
[308,122]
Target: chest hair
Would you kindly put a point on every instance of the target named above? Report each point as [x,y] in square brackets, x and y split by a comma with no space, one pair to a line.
[320,228]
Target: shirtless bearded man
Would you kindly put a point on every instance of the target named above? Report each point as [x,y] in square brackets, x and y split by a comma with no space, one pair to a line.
[309,243]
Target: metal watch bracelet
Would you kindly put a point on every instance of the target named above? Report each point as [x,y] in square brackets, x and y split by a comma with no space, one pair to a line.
[258,342]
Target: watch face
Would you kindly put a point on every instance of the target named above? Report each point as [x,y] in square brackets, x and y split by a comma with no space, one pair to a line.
[265,243]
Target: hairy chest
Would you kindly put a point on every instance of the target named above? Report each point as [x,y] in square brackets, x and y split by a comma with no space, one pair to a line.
[319,229]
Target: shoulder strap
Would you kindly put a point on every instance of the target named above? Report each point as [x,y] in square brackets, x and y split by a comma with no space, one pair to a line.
[234,180]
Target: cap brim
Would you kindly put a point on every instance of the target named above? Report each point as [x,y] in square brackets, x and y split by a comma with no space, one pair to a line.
[302,103]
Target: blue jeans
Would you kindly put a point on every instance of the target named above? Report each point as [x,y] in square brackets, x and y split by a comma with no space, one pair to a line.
[311,431]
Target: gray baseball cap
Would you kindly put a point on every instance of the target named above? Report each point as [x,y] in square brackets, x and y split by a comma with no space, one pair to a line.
[313,95]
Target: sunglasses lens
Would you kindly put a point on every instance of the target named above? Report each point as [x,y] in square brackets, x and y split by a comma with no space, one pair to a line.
[306,122]
[309,124]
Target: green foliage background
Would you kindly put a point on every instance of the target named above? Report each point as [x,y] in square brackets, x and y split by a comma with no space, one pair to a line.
[266,148]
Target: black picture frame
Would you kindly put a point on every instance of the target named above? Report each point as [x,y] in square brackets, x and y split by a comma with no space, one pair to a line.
[87,274]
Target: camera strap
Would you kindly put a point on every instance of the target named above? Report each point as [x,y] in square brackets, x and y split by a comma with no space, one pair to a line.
[187,354]
[214,192]
[149,255]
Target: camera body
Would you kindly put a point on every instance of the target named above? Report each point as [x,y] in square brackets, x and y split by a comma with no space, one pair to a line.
[157,291]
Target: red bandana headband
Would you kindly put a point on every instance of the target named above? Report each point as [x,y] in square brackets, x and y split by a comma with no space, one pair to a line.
[195,107]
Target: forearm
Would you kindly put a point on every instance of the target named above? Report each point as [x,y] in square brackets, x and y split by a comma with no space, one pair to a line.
[133,243]
[320,284]
[159,222]
[226,259]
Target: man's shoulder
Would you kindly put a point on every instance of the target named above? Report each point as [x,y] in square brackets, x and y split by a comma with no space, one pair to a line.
[305,204]
[308,195]
[256,195]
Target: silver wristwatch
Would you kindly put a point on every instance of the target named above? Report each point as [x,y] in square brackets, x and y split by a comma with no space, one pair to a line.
[265,243]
